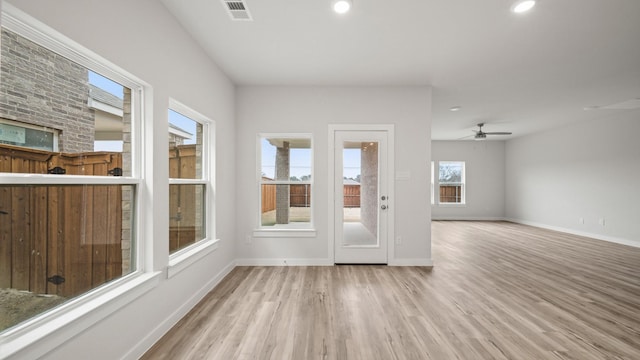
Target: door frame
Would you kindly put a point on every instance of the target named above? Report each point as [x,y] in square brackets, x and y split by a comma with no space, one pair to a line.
[390,129]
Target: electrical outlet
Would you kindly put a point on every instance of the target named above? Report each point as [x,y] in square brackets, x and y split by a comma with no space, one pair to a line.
[248,240]
[601,221]
[398,240]
[581,221]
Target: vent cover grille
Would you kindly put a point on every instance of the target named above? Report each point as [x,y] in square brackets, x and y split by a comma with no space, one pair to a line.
[237,10]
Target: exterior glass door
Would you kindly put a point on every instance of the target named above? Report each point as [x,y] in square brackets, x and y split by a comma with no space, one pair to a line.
[361,200]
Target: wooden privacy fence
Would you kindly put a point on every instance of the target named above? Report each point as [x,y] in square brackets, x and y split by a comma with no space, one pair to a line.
[351,196]
[268,197]
[185,204]
[450,193]
[300,196]
[60,239]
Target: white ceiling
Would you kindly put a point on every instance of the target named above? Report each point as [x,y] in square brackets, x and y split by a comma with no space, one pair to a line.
[519,73]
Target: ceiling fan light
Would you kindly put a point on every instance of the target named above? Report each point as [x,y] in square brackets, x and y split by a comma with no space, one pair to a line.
[521,6]
[341,6]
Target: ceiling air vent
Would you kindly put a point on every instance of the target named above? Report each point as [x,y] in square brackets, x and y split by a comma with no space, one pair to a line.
[237,10]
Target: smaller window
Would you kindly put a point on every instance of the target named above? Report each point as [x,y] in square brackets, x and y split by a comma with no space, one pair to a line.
[189,178]
[285,181]
[29,136]
[451,181]
[432,185]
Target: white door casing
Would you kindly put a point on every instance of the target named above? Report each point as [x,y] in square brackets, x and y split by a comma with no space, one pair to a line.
[361,232]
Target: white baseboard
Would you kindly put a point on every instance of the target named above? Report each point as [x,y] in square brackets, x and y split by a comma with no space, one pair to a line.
[578,233]
[324,262]
[467,218]
[411,262]
[284,262]
[154,335]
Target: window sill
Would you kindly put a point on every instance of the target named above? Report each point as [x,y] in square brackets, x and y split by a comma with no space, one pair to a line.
[189,256]
[452,205]
[284,233]
[49,330]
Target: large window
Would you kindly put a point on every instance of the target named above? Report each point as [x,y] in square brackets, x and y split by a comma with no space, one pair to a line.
[285,173]
[71,225]
[189,177]
[451,181]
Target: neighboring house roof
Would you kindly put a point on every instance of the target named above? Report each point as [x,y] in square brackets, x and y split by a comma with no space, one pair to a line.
[102,100]
[105,97]
[350,182]
[179,132]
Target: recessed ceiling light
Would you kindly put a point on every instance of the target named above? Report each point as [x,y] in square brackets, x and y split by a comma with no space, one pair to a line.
[455,108]
[341,6]
[520,6]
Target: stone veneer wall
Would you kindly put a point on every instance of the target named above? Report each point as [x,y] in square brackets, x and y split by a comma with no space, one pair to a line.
[282,191]
[369,187]
[40,87]
[127,191]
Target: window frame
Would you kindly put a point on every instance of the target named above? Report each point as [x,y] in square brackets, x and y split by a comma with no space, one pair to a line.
[182,258]
[307,230]
[433,201]
[463,183]
[82,311]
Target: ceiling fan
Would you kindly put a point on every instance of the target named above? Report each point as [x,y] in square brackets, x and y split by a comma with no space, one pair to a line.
[481,135]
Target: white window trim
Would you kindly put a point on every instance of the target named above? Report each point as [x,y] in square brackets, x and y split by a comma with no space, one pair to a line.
[288,230]
[184,258]
[54,327]
[463,183]
[433,186]
[82,312]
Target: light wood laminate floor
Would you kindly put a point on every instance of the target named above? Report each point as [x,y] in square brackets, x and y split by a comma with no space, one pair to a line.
[497,291]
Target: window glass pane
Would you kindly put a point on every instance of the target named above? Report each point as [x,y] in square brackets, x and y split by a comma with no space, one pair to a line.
[185,147]
[450,172]
[58,242]
[451,178]
[286,159]
[187,214]
[51,104]
[285,204]
[432,184]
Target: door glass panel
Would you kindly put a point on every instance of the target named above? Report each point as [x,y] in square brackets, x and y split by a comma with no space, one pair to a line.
[360,193]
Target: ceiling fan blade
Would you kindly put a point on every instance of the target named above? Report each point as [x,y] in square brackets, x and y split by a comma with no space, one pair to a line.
[466,137]
[499,133]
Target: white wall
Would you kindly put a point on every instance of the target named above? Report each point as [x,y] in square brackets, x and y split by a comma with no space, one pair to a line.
[311,110]
[484,171]
[587,170]
[144,39]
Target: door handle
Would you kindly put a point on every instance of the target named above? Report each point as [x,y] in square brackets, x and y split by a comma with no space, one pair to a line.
[383,207]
